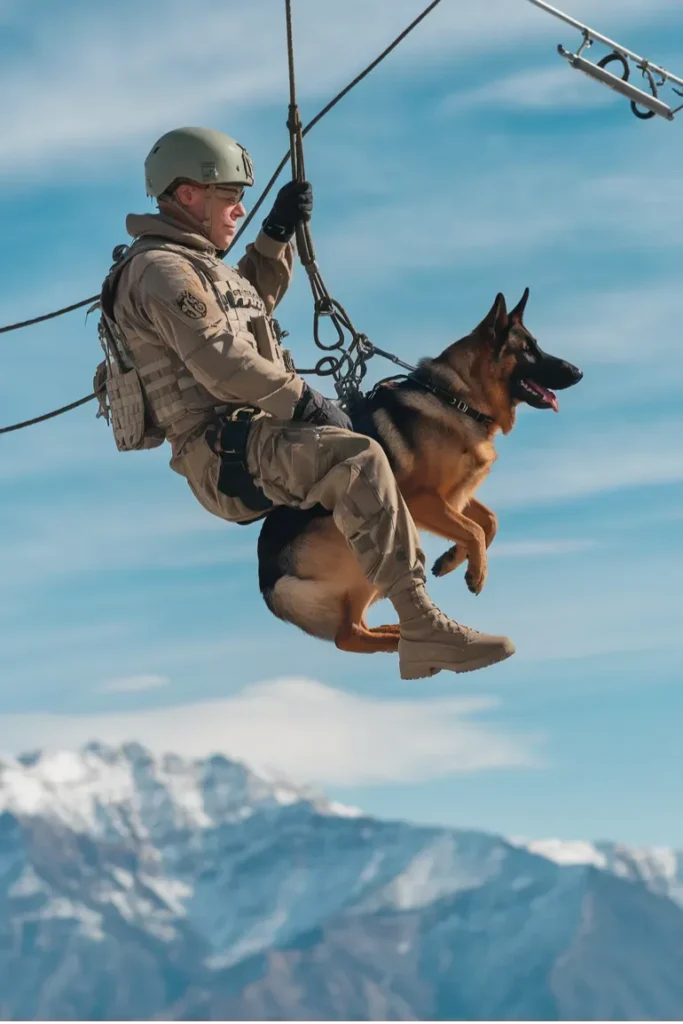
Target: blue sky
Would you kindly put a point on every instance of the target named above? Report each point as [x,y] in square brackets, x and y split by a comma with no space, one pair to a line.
[474,160]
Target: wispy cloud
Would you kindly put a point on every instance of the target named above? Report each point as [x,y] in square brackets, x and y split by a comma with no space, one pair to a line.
[505,210]
[66,112]
[111,532]
[611,458]
[77,442]
[539,548]
[134,684]
[612,326]
[547,88]
[309,731]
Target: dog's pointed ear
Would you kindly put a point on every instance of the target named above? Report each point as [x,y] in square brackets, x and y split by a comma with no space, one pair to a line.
[517,313]
[495,323]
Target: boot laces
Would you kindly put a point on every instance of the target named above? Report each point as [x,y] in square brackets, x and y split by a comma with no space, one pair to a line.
[443,623]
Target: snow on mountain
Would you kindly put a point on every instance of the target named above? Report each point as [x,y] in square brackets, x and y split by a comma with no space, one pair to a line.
[134,886]
[659,868]
[567,851]
[108,791]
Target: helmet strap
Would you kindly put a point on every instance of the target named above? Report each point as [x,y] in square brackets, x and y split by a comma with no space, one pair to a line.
[202,226]
[207,222]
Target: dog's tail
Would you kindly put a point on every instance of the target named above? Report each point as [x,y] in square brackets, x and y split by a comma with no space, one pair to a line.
[315,606]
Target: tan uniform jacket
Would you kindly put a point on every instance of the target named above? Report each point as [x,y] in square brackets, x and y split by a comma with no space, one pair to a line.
[212,321]
[201,337]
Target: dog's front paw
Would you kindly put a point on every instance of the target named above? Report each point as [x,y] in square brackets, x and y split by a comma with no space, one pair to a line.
[475,580]
[448,561]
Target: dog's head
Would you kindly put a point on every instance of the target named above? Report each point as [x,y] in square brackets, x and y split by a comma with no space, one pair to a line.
[518,363]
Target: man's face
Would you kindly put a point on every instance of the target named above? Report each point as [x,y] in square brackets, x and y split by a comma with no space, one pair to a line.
[225,210]
[220,205]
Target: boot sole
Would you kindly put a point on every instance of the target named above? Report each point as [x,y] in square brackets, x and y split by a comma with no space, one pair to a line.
[429,667]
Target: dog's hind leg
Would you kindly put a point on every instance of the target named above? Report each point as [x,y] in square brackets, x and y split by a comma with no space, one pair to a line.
[392,629]
[358,639]
[355,636]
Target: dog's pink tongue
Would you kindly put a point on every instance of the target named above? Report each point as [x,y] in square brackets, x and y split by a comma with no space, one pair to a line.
[549,396]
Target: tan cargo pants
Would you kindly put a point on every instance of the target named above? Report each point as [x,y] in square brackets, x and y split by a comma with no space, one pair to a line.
[301,465]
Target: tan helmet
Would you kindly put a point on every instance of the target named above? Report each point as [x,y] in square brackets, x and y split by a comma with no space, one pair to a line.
[196,154]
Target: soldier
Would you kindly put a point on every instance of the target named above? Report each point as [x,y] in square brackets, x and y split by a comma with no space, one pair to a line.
[246,431]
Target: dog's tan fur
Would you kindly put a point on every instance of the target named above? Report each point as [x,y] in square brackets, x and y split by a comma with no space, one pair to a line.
[439,473]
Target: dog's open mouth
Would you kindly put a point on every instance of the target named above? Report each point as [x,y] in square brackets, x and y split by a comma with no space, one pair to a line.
[535,395]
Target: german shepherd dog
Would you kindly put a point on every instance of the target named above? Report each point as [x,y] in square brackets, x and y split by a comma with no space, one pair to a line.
[437,427]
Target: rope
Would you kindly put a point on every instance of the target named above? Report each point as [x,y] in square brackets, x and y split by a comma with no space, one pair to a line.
[327,365]
[347,371]
[332,103]
[47,316]
[49,415]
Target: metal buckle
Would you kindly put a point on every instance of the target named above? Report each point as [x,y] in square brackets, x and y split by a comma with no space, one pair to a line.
[243,414]
[461,406]
[235,414]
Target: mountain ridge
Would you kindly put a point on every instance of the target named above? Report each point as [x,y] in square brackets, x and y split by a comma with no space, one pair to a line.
[143,887]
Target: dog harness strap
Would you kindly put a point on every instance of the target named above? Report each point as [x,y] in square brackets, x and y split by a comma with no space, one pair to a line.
[456,403]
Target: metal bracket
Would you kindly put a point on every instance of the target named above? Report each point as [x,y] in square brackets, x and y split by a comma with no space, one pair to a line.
[620,85]
[650,100]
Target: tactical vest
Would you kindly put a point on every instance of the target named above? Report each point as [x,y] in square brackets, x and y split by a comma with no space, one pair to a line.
[145,390]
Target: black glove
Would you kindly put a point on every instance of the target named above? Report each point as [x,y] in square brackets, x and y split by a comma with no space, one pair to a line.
[313,407]
[293,203]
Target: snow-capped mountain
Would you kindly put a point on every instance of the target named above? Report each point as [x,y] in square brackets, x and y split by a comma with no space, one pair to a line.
[135,887]
[115,792]
[658,867]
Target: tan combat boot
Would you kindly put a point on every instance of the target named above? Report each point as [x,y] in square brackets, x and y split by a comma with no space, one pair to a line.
[430,641]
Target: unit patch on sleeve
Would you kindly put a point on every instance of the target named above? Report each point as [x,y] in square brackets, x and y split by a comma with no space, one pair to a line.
[191,306]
